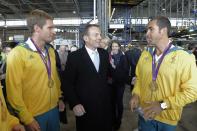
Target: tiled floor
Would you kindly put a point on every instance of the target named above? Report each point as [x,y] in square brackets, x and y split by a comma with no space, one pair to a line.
[129,122]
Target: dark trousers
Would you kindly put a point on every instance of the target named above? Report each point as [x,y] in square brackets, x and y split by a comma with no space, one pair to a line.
[63,117]
[117,102]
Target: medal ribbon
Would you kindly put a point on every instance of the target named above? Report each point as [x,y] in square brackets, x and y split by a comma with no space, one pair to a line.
[155,69]
[47,63]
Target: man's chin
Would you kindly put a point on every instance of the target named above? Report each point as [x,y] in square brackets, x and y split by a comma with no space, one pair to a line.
[150,44]
[97,45]
[49,41]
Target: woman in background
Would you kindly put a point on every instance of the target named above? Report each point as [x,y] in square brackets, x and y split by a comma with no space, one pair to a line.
[119,75]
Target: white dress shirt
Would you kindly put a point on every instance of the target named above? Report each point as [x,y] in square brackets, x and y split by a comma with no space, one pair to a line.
[94,55]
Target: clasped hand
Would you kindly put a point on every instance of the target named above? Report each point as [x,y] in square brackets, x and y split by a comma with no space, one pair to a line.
[79,110]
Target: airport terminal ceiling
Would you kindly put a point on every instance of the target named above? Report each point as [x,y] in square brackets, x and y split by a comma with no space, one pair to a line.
[58,8]
[124,11]
[17,9]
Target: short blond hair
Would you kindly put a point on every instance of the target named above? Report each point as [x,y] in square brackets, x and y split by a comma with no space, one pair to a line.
[37,17]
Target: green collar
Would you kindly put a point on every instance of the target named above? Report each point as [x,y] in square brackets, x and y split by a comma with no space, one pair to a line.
[25,45]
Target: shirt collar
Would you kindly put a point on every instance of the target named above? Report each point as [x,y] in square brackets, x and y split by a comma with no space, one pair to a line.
[90,52]
[158,57]
[30,44]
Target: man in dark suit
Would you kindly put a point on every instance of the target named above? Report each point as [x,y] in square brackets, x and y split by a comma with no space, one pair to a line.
[86,83]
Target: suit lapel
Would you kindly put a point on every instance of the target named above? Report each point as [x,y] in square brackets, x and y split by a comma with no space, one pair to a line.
[101,64]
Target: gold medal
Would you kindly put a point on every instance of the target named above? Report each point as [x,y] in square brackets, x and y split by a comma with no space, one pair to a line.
[50,83]
[153,86]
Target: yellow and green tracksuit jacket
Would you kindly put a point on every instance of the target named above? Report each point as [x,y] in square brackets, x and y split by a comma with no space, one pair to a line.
[176,79]
[27,82]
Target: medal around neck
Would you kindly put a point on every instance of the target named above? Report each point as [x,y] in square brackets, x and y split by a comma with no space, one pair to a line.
[155,67]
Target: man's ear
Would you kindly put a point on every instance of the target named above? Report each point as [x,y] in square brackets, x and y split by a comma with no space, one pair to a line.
[164,30]
[36,28]
[85,38]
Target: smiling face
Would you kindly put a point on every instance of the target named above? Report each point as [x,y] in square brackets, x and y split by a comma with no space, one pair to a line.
[93,37]
[115,48]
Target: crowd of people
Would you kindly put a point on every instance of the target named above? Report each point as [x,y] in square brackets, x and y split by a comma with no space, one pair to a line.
[38,80]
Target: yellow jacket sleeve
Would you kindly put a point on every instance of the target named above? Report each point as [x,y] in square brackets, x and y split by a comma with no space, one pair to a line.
[14,75]
[12,121]
[188,84]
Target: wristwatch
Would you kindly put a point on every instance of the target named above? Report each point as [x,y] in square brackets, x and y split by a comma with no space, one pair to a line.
[163,105]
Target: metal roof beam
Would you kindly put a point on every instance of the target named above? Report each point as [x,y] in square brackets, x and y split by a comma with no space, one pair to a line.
[54,7]
[28,2]
[12,7]
[77,6]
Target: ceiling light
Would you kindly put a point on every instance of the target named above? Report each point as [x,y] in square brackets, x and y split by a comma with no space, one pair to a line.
[74,12]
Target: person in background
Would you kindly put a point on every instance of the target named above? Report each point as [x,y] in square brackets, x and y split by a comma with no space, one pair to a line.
[119,75]
[165,80]
[73,48]
[32,81]
[86,86]
[7,47]
[105,43]
[193,49]
[63,53]
[67,48]
[126,48]
[132,56]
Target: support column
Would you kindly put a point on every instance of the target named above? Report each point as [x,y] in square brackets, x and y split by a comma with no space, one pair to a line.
[103,15]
